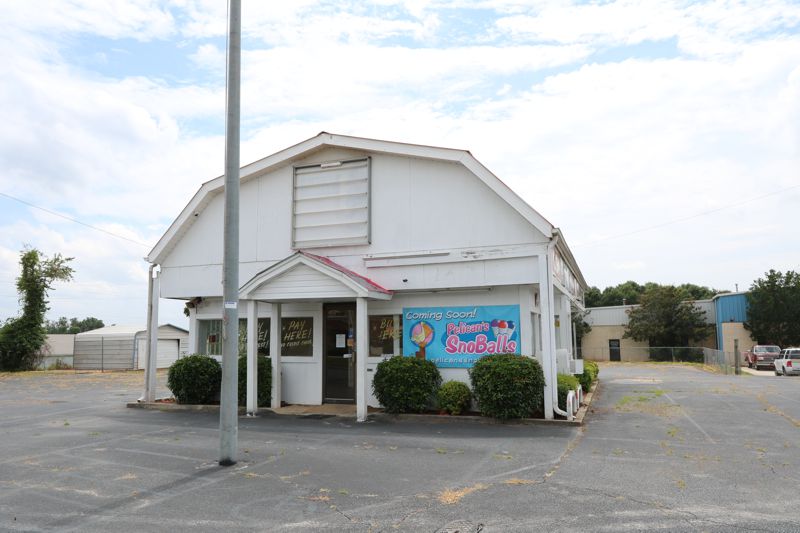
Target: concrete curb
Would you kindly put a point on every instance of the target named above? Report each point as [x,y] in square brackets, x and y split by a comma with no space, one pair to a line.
[430,418]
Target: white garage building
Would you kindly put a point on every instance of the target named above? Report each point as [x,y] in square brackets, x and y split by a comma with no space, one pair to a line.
[120,347]
[354,249]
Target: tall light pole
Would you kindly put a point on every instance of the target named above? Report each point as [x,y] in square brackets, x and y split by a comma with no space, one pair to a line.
[228,404]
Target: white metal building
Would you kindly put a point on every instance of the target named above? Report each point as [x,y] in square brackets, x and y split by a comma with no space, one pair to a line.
[606,341]
[120,347]
[354,249]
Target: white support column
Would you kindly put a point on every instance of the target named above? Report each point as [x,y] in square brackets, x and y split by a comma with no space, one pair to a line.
[564,311]
[194,333]
[548,334]
[152,338]
[252,354]
[362,352]
[525,325]
[275,353]
[397,335]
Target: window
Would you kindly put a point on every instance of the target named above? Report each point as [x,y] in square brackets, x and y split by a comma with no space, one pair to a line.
[297,335]
[330,204]
[210,336]
[385,335]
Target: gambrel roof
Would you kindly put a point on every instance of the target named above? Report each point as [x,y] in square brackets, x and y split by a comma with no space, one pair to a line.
[326,140]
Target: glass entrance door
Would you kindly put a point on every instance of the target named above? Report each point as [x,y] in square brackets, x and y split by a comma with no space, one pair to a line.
[339,352]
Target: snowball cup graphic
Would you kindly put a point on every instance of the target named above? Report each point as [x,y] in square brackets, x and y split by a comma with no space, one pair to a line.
[503,327]
[421,334]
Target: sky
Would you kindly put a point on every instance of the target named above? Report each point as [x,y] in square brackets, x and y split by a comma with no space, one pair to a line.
[663,138]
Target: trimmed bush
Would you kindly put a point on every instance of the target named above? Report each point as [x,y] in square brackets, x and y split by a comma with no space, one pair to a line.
[195,379]
[566,383]
[589,376]
[507,385]
[405,384]
[264,380]
[454,397]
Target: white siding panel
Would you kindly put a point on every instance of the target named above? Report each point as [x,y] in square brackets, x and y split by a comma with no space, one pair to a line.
[608,316]
[303,282]
[302,382]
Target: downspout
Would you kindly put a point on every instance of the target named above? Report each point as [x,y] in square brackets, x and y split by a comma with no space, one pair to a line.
[551,314]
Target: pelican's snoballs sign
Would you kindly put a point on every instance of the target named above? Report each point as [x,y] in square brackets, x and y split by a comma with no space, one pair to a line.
[456,337]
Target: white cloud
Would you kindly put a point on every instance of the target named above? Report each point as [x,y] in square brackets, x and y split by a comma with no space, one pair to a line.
[602,149]
[138,19]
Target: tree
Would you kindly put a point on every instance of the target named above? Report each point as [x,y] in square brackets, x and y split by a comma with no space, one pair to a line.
[22,338]
[73,325]
[697,292]
[773,315]
[630,293]
[663,318]
[580,325]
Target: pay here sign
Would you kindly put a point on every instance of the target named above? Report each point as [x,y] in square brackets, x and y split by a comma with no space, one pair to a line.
[456,337]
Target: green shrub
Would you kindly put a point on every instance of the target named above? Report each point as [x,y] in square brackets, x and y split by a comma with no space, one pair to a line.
[566,383]
[405,384]
[454,397]
[589,376]
[507,385]
[195,379]
[264,380]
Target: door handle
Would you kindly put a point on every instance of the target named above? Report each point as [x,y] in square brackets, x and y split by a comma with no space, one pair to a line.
[347,356]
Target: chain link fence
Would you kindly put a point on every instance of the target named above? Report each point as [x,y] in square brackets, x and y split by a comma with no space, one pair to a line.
[721,361]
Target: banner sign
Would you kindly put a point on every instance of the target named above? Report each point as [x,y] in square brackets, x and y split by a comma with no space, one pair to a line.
[456,337]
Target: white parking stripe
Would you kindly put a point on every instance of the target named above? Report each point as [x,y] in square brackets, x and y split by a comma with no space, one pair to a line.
[690,419]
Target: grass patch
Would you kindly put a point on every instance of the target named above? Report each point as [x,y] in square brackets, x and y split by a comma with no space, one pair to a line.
[453,496]
[517,481]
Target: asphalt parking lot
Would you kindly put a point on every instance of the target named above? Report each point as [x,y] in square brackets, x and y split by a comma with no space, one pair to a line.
[666,447]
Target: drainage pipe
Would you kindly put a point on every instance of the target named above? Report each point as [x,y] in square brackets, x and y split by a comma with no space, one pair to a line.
[553,370]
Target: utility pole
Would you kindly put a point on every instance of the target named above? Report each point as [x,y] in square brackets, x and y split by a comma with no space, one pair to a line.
[228,404]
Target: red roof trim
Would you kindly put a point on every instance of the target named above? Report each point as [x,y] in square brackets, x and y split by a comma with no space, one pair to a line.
[346,271]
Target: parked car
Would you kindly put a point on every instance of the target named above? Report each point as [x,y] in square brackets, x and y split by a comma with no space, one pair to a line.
[761,355]
[788,362]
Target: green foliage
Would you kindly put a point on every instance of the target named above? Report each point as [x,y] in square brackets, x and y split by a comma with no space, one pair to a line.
[663,318]
[589,376]
[195,379]
[773,315]
[580,325]
[264,364]
[73,325]
[405,384]
[22,338]
[566,383]
[59,364]
[630,293]
[507,385]
[454,397]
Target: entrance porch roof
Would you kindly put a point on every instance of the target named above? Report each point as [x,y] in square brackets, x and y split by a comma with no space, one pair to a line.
[307,277]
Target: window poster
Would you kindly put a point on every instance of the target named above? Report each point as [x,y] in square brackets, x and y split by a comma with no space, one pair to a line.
[456,337]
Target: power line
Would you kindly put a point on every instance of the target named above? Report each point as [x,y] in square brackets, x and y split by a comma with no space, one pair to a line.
[75,220]
[690,217]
